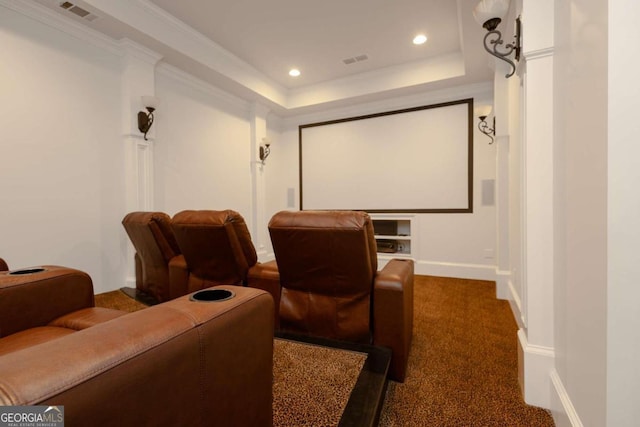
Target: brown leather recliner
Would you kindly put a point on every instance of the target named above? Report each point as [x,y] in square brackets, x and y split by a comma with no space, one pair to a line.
[160,267]
[330,286]
[122,372]
[217,247]
[40,304]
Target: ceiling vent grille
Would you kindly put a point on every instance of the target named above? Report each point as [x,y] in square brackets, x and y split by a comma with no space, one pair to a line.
[359,58]
[78,11]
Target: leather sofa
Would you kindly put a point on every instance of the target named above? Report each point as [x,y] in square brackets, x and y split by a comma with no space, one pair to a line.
[330,285]
[161,271]
[39,306]
[200,364]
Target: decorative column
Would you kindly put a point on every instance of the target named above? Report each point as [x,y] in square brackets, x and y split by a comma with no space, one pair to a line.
[138,79]
[502,140]
[536,337]
[259,220]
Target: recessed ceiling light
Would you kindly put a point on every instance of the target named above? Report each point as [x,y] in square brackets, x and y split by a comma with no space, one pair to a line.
[419,39]
[294,72]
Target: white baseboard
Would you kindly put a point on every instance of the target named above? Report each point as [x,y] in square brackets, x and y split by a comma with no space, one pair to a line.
[503,284]
[515,303]
[564,413]
[130,282]
[535,364]
[264,256]
[461,271]
[515,297]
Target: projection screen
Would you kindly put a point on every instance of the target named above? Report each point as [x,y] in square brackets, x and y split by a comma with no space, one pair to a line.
[412,160]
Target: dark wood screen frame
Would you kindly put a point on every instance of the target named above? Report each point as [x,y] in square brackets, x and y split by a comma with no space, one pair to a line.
[468,101]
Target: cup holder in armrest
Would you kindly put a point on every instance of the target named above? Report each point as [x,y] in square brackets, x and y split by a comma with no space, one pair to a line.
[26,271]
[210,295]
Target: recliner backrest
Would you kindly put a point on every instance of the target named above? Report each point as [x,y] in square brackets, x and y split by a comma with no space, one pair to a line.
[155,245]
[327,263]
[216,246]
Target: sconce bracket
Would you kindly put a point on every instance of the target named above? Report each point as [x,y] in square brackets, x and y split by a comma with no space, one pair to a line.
[264,152]
[492,24]
[486,129]
[493,43]
[145,120]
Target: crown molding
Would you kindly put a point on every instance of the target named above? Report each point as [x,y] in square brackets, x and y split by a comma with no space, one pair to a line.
[482,90]
[151,20]
[158,13]
[382,80]
[202,86]
[62,23]
[129,47]
[154,22]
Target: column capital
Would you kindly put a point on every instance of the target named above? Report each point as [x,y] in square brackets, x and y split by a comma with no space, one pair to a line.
[131,49]
[259,110]
[537,26]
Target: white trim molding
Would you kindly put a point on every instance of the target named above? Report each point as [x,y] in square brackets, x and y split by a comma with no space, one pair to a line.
[564,413]
[266,256]
[516,304]
[539,53]
[504,287]
[138,171]
[535,364]
[458,270]
[129,47]
[152,21]
[130,281]
[62,23]
[197,84]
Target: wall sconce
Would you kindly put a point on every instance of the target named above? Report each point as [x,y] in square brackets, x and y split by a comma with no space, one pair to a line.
[265,149]
[489,14]
[145,120]
[483,113]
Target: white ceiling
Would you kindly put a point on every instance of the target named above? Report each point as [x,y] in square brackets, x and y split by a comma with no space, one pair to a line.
[247,47]
[316,36]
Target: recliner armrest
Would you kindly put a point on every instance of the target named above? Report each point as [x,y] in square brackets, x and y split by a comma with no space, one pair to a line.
[35,299]
[178,277]
[217,355]
[266,276]
[393,313]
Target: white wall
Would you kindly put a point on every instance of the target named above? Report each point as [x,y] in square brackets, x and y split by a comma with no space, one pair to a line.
[623,292]
[201,152]
[67,179]
[282,167]
[61,174]
[580,205]
[455,245]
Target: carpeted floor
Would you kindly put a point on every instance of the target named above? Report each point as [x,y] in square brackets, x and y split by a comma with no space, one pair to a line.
[312,384]
[119,301]
[463,364]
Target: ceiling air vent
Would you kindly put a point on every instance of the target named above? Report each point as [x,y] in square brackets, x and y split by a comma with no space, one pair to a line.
[359,58]
[78,11]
